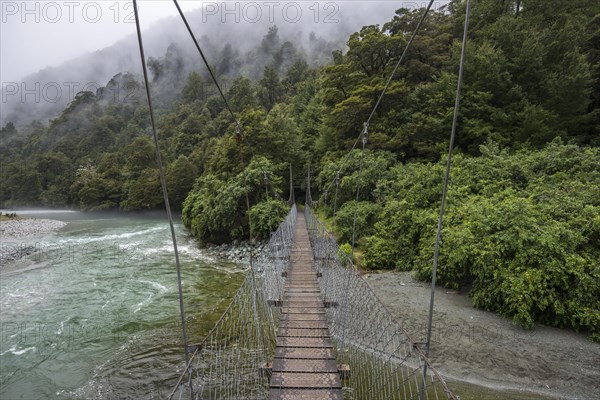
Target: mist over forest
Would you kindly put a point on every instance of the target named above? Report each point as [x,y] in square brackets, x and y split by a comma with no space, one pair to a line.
[233,38]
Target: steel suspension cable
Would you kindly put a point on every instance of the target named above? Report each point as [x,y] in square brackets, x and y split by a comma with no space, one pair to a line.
[212,75]
[292,198]
[260,337]
[389,81]
[438,235]
[309,200]
[210,71]
[237,123]
[365,133]
[163,183]
[335,196]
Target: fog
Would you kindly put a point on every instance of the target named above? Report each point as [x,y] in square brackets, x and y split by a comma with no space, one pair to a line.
[38,34]
[63,48]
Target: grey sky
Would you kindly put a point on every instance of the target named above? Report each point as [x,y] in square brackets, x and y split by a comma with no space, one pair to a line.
[38,34]
[35,34]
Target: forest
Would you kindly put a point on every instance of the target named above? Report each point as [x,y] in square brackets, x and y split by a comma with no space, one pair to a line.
[522,226]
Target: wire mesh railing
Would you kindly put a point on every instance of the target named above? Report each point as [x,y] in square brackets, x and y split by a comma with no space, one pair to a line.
[384,361]
[231,362]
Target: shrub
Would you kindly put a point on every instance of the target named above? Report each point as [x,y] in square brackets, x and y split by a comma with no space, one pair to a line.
[366,215]
[266,216]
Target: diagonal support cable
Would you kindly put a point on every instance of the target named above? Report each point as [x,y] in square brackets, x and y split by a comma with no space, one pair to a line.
[210,71]
[389,81]
[438,235]
[163,182]
[380,98]
[365,135]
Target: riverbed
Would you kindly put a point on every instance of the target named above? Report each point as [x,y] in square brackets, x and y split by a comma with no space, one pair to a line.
[485,356]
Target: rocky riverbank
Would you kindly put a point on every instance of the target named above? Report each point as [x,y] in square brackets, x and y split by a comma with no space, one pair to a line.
[238,252]
[16,235]
[499,360]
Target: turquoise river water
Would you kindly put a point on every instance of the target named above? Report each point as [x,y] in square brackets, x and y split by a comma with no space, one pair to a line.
[93,312]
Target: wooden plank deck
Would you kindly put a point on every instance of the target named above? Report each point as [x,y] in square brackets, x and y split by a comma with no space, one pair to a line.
[304,367]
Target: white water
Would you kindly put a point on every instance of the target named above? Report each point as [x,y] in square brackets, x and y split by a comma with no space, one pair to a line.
[93,312]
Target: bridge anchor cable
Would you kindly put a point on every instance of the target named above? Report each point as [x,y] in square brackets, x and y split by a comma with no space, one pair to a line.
[438,235]
[163,183]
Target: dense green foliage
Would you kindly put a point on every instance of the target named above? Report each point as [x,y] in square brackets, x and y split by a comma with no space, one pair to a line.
[522,230]
[216,209]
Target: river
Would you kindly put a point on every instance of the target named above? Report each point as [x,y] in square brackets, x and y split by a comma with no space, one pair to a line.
[94,313]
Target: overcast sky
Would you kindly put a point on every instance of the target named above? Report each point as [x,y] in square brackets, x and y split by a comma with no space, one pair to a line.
[37,34]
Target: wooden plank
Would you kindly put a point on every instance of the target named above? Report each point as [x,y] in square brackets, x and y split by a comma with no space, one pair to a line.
[303,304]
[304,365]
[299,273]
[302,310]
[304,283]
[304,353]
[300,287]
[303,317]
[304,342]
[303,332]
[303,296]
[305,380]
[305,394]
[306,324]
[307,290]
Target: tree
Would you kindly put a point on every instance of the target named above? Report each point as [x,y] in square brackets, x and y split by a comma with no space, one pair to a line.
[229,60]
[8,131]
[194,88]
[272,90]
[55,174]
[298,72]
[241,94]
[366,216]
[181,175]
[156,67]
[270,41]
[93,190]
[144,193]
[375,165]
[284,57]
[215,210]
[140,154]
[370,51]
[266,216]
[20,184]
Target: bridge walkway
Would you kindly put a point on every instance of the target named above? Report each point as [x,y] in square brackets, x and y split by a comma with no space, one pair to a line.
[304,366]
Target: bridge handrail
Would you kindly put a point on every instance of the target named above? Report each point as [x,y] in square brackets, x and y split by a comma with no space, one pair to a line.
[259,267]
[318,230]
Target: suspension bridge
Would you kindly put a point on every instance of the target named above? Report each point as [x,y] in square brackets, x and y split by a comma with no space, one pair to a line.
[304,324]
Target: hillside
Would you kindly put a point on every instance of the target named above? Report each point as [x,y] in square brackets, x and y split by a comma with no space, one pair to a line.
[313,34]
[522,232]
